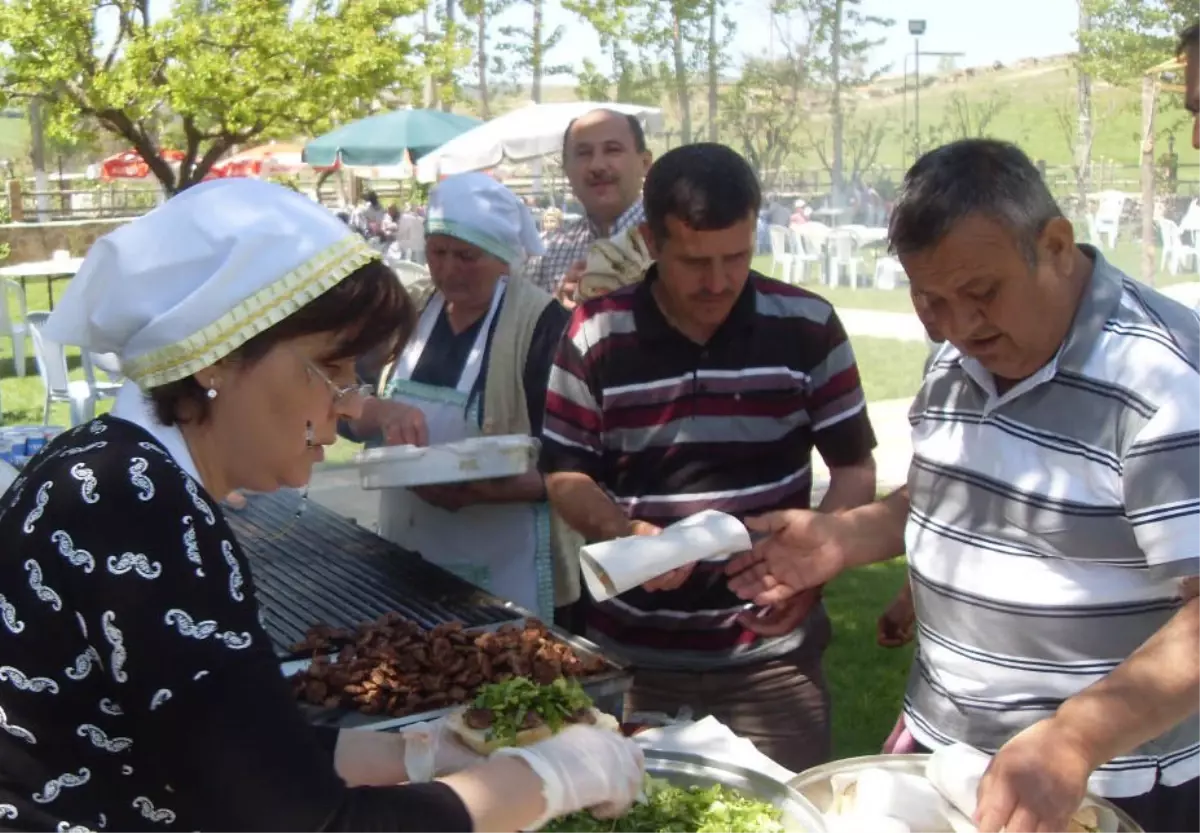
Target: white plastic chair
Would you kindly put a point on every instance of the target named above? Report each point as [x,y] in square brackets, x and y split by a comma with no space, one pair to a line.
[1174,251]
[1108,216]
[803,252]
[887,270]
[80,395]
[780,256]
[14,328]
[410,237]
[845,256]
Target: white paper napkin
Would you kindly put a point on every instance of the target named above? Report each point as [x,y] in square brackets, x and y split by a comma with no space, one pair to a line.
[612,567]
[712,739]
[955,772]
[877,793]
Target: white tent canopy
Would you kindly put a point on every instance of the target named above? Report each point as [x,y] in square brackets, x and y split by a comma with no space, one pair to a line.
[528,133]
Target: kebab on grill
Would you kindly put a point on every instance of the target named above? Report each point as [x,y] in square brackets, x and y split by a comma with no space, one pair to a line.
[394,667]
[519,712]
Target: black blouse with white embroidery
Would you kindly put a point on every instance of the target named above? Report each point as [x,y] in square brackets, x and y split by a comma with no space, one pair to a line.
[138,690]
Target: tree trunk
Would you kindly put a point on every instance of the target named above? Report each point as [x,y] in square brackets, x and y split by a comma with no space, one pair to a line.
[429,96]
[481,56]
[536,58]
[450,13]
[1149,249]
[1083,142]
[714,81]
[835,104]
[37,153]
[682,93]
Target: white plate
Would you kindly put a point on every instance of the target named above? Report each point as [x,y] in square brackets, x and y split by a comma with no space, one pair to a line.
[478,458]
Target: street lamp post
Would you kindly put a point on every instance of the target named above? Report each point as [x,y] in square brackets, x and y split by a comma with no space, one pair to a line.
[916,28]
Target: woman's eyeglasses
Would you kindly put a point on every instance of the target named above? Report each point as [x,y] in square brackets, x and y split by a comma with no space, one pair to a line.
[339,393]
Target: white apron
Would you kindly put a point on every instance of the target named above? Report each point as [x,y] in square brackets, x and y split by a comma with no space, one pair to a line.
[503,548]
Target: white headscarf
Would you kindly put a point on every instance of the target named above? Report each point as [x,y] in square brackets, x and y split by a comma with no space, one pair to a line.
[187,284]
[477,209]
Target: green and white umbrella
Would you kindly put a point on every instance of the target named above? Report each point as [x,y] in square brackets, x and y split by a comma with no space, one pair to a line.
[386,140]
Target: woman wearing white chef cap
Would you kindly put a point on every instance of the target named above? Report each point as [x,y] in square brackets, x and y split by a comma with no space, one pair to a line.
[478,364]
[137,688]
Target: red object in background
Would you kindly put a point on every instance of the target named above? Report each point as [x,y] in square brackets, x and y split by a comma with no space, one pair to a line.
[264,160]
[129,164]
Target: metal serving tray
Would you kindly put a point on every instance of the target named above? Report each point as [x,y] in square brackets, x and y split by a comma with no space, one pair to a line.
[607,689]
[681,769]
[815,785]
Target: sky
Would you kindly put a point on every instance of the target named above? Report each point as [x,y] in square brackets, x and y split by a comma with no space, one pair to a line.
[1004,30]
[984,31]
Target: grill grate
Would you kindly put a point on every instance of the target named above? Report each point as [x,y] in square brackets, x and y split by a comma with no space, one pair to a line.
[320,567]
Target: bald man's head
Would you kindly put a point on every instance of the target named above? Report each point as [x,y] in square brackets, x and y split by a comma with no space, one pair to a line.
[605,160]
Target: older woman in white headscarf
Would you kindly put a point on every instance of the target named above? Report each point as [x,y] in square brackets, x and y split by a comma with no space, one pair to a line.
[138,689]
[478,365]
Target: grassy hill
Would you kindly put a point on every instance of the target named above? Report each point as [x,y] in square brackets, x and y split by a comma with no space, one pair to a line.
[1033,97]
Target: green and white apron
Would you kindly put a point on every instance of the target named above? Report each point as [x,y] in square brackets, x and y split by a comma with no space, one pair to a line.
[503,548]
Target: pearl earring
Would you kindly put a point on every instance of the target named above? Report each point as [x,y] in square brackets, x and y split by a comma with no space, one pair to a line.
[212,393]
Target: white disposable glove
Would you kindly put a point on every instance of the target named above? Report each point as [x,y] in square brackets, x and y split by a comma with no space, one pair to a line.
[584,768]
[431,750]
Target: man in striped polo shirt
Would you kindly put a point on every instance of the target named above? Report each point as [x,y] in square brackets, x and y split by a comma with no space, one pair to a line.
[707,386]
[1051,510]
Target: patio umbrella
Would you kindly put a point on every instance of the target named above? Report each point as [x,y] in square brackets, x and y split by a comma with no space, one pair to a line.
[528,133]
[263,160]
[387,139]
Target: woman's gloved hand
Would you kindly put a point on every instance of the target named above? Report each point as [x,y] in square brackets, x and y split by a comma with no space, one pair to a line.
[584,768]
[431,750]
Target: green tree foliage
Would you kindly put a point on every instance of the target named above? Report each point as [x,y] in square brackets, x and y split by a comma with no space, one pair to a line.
[488,65]
[1127,37]
[527,48]
[635,75]
[762,111]
[212,74]
[840,42]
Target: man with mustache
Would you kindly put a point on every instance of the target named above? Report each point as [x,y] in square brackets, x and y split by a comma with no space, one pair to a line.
[707,386]
[1052,513]
[605,160]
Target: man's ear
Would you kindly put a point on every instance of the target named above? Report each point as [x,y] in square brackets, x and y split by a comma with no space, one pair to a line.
[647,161]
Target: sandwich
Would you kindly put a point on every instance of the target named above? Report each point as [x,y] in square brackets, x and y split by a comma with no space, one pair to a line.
[519,712]
[613,263]
[1087,820]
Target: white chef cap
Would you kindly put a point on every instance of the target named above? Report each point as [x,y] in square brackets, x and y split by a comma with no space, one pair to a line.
[187,284]
[477,209]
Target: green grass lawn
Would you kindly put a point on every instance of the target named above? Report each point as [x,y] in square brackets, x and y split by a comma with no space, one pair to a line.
[866,681]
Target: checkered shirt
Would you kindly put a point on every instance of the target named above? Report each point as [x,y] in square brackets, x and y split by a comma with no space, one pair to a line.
[571,243]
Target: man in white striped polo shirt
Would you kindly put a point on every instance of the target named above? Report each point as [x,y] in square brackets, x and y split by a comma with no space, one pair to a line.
[1051,511]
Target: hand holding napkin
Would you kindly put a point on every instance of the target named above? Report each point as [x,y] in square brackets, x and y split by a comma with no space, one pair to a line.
[613,567]
[955,771]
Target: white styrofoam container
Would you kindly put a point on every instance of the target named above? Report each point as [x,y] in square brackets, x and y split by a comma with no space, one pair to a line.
[478,458]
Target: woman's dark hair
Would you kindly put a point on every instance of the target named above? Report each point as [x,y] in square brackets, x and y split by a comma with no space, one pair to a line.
[707,186]
[369,309]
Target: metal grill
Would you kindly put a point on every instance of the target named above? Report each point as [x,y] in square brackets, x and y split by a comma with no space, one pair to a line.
[321,568]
